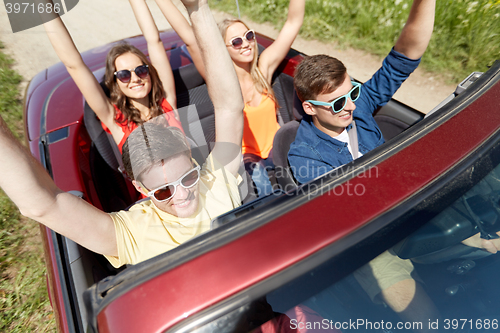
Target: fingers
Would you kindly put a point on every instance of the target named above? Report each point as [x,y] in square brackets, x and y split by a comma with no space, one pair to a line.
[491,245]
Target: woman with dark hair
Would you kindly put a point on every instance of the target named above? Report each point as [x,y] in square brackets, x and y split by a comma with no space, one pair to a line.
[139,89]
[254,75]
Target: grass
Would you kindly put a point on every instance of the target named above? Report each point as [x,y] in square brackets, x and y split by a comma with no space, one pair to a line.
[466,34]
[24,303]
[10,104]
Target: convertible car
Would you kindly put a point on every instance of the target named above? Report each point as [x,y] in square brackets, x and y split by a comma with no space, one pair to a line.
[285,262]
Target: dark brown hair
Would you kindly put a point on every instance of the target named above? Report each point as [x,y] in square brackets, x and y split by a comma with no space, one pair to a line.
[117,97]
[318,74]
[150,144]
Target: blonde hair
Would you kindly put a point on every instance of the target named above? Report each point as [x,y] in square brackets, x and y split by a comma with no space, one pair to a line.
[258,79]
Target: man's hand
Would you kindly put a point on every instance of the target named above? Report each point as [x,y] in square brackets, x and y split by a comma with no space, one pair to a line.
[490,245]
[222,84]
[417,32]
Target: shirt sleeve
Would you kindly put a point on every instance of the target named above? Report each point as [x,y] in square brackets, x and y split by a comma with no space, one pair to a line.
[128,238]
[214,172]
[377,91]
[306,164]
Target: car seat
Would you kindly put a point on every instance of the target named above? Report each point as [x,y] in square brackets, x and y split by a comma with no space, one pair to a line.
[284,92]
[114,190]
[281,145]
[395,117]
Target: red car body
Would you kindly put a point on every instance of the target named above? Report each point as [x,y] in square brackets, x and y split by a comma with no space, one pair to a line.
[271,244]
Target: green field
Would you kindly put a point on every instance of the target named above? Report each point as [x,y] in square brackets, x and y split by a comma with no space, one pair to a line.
[466,36]
[24,302]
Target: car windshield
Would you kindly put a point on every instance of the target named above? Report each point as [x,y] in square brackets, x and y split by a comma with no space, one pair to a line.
[460,281]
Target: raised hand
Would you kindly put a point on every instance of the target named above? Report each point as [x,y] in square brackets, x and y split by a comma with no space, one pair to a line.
[193,4]
[222,83]
[417,32]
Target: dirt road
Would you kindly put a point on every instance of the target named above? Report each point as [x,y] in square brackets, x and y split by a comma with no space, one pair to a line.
[95,22]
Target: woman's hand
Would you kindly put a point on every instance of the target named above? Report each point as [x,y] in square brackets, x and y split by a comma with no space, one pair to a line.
[184,30]
[272,56]
[156,50]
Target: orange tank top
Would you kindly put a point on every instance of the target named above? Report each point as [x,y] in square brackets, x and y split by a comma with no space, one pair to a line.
[129,127]
[259,128]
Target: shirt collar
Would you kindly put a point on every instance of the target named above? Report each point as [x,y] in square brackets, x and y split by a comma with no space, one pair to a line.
[320,135]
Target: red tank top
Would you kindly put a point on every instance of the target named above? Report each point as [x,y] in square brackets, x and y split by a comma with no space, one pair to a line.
[129,127]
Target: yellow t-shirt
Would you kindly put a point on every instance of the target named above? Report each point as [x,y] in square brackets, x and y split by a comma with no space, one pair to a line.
[144,231]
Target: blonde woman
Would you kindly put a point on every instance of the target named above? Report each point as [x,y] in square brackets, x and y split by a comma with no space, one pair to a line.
[254,75]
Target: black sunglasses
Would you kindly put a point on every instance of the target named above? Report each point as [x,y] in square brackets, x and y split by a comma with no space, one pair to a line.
[237,42]
[125,75]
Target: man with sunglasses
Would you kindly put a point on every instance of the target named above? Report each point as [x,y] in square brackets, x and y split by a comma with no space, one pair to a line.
[335,131]
[184,197]
[332,101]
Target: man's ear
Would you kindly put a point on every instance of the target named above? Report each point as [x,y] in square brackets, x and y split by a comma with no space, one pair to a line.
[308,108]
[139,188]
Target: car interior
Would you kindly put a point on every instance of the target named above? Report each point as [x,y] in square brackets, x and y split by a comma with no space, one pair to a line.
[115,192]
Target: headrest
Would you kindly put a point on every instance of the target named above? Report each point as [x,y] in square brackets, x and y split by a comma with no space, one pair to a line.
[298,110]
[186,78]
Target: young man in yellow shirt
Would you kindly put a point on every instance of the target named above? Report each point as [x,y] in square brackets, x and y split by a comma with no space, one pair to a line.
[181,204]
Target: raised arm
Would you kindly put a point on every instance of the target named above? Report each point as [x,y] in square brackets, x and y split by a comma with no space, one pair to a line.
[29,186]
[184,30]
[89,86]
[272,56]
[156,51]
[417,32]
[222,83]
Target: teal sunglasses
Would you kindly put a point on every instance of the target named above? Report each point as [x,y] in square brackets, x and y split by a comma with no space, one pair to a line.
[339,103]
